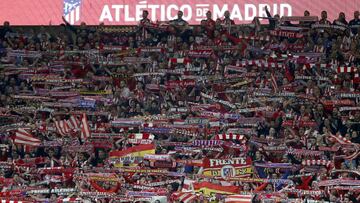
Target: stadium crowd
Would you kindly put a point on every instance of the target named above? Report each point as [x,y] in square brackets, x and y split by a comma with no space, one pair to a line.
[168,112]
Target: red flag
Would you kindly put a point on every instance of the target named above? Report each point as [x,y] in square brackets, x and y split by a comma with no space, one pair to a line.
[185,197]
[62,127]
[25,138]
[274,83]
[73,123]
[85,129]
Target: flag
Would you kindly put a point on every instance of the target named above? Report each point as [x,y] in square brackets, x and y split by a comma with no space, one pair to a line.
[226,168]
[65,127]
[133,154]
[72,10]
[85,129]
[62,127]
[187,185]
[274,83]
[73,123]
[25,138]
[185,197]
[139,150]
[238,199]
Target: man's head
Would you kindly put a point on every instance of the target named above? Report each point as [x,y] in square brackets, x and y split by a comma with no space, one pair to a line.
[83,25]
[227,14]
[145,14]
[154,104]
[356,14]
[306,13]
[341,16]
[323,15]
[6,24]
[102,154]
[277,16]
[208,15]
[180,14]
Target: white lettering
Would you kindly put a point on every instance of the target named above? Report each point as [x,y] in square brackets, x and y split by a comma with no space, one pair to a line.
[262,12]
[247,12]
[106,14]
[275,9]
[127,14]
[187,14]
[217,13]
[235,13]
[221,162]
[153,11]
[117,11]
[138,11]
[199,12]
[162,12]
[242,161]
[168,11]
[212,162]
[287,7]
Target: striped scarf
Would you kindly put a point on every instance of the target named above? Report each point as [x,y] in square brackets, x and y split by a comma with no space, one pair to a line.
[304,192]
[304,152]
[207,142]
[346,69]
[320,162]
[259,38]
[342,140]
[230,136]
[260,63]
[338,182]
[185,61]
[276,165]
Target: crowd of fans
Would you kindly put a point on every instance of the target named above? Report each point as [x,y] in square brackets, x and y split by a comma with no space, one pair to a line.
[168,112]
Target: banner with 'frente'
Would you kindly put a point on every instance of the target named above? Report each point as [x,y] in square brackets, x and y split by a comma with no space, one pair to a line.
[129,12]
[228,168]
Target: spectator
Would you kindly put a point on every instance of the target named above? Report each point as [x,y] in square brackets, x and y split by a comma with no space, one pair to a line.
[324,19]
[355,23]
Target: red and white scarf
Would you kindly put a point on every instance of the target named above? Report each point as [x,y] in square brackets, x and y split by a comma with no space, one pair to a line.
[230,136]
[185,61]
[314,162]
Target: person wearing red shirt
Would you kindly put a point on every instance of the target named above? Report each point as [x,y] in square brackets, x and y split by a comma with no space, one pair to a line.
[208,24]
[227,22]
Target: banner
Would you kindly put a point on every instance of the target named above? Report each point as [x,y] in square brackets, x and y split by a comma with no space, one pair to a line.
[128,12]
[227,168]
